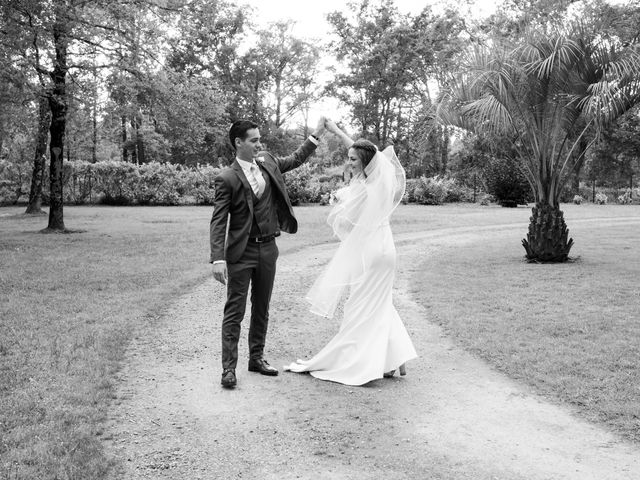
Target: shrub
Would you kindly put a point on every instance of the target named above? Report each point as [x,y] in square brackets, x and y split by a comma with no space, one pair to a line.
[459,193]
[298,185]
[201,184]
[486,199]
[121,183]
[15,181]
[601,198]
[436,191]
[409,192]
[625,198]
[115,182]
[157,184]
[506,182]
[432,190]
[80,180]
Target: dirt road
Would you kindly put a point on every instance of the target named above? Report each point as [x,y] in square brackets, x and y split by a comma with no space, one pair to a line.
[451,417]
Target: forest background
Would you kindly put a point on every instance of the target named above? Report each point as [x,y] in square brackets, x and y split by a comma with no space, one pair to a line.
[134,99]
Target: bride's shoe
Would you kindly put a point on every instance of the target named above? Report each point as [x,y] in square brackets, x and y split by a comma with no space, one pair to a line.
[401,368]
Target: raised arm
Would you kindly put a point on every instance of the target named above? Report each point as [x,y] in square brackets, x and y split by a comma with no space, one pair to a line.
[298,157]
[333,128]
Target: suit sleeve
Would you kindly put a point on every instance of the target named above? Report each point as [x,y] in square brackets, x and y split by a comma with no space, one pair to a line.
[297,158]
[219,219]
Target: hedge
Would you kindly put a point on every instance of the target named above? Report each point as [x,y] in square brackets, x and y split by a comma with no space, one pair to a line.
[154,183]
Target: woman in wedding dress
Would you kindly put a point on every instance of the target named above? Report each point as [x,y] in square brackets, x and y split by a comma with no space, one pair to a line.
[372,341]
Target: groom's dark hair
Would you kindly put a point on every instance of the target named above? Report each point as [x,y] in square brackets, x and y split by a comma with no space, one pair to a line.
[239,130]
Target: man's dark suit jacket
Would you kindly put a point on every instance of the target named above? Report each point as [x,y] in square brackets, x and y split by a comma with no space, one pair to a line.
[233,203]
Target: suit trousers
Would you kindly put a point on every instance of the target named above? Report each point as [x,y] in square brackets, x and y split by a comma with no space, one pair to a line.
[257,266]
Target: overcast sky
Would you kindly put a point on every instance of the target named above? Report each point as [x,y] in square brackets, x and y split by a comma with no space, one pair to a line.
[310,16]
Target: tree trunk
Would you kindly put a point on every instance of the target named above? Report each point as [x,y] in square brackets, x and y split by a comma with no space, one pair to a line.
[548,238]
[577,169]
[140,143]
[39,160]
[94,116]
[444,159]
[94,127]
[125,152]
[278,112]
[58,104]
[305,114]
[134,149]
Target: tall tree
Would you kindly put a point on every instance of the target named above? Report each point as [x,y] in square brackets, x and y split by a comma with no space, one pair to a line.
[547,93]
[616,157]
[394,61]
[67,36]
[24,75]
[377,43]
[291,68]
[206,41]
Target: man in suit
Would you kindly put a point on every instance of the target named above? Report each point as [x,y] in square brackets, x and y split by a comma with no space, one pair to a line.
[250,209]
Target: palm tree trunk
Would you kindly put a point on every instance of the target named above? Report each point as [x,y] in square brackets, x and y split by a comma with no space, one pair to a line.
[548,238]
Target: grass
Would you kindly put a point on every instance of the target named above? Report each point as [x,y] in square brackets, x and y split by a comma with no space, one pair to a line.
[69,303]
[571,331]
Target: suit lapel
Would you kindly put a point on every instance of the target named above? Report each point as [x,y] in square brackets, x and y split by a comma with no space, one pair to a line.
[235,166]
[269,169]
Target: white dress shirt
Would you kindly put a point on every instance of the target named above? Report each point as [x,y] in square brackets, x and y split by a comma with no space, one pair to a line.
[254,176]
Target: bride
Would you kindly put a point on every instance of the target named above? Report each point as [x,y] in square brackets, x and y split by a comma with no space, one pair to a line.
[372,341]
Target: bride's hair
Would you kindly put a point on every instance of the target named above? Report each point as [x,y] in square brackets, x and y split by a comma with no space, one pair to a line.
[365,150]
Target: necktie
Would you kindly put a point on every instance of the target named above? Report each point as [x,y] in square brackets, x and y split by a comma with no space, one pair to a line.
[258,183]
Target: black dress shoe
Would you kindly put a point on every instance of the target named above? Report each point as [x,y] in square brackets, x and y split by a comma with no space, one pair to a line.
[261,366]
[228,378]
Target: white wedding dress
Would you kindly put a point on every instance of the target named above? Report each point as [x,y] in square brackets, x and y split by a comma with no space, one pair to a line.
[372,338]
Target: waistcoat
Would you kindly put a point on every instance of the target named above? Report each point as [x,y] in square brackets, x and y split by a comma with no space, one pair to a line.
[265,218]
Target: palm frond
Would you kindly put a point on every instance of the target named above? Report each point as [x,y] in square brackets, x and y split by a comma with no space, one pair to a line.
[488,113]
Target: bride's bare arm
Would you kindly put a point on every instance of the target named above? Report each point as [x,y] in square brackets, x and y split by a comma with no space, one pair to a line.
[331,126]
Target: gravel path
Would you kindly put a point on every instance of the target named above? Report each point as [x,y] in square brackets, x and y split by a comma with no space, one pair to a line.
[451,417]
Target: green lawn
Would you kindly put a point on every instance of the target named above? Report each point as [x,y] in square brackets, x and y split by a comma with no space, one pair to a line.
[69,303]
[572,331]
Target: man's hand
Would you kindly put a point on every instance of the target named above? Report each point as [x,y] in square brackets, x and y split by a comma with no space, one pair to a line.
[319,131]
[220,272]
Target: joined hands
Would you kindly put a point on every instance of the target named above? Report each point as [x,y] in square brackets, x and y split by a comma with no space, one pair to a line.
[326,124]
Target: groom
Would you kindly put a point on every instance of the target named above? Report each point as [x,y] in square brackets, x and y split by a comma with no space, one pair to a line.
[250,208]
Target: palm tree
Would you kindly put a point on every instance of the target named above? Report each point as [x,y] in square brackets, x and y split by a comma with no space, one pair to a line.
[551,95]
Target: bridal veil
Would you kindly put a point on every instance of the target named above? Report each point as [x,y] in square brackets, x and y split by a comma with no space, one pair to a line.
[361,208]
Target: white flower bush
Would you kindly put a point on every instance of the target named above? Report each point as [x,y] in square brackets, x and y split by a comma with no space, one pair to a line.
[625,198]
[601,198]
